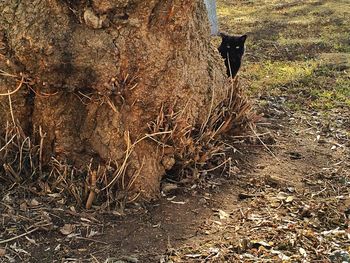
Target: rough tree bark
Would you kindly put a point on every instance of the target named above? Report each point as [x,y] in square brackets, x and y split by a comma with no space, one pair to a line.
[98,73]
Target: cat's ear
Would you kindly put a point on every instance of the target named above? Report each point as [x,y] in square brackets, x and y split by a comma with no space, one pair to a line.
[243,38]
[223,35]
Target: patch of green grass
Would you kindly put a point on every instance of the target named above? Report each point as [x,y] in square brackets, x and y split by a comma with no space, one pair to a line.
[329,99]
[278,74]
[284,46]
[306,83]
[284,40]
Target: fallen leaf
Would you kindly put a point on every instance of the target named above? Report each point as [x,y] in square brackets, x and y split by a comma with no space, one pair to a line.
[193,255]
[217,222]
[92,233]
[23,206]
[57,247]
[258,244]
[55,195]
[213,250]
[291,189]
[168,187]
[67,229]
[290,199]
[34,202]
[302,252]
[61,201]
[223,214]
[275,204]
[178,202]
[282,196]
[32,241]
[85,219]
[19,250]
[335,232]
[2,252]
[282,256]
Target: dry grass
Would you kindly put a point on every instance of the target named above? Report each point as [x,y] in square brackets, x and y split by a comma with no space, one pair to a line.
[21,158]
[194,147]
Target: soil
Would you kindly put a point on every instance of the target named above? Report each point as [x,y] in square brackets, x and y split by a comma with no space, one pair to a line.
[282,204]
[285,198]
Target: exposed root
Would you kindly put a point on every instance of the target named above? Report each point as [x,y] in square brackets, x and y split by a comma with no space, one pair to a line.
[14,91]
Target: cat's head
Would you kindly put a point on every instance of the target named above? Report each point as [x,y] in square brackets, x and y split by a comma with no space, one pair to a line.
[233,44]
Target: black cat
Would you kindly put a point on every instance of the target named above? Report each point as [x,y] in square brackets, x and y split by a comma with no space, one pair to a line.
[232,50]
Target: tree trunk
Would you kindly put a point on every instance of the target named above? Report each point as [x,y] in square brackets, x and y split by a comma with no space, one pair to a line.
[98,76]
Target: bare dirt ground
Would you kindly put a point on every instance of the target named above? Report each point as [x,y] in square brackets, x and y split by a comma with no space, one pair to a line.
[285,199]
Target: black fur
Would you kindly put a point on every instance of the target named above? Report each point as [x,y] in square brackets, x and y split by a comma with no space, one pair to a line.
[232,50]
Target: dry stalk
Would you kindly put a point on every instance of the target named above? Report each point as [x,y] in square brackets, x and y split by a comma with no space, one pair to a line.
[218,166]
[14,91]
[266,147]
[15,178]
[92,187]
[132,181]
[21,153]
[18,155]
[6,74]
[121,170]
[42,94]
[209,113]
[41,147]
[11,110]
[19,236]
[110,103]
[195,146]
[7,143]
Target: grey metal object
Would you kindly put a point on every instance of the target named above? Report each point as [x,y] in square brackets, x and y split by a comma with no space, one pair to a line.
[213,20]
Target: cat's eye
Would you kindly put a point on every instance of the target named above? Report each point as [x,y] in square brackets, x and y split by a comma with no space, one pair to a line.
[237,47]
[228,46]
